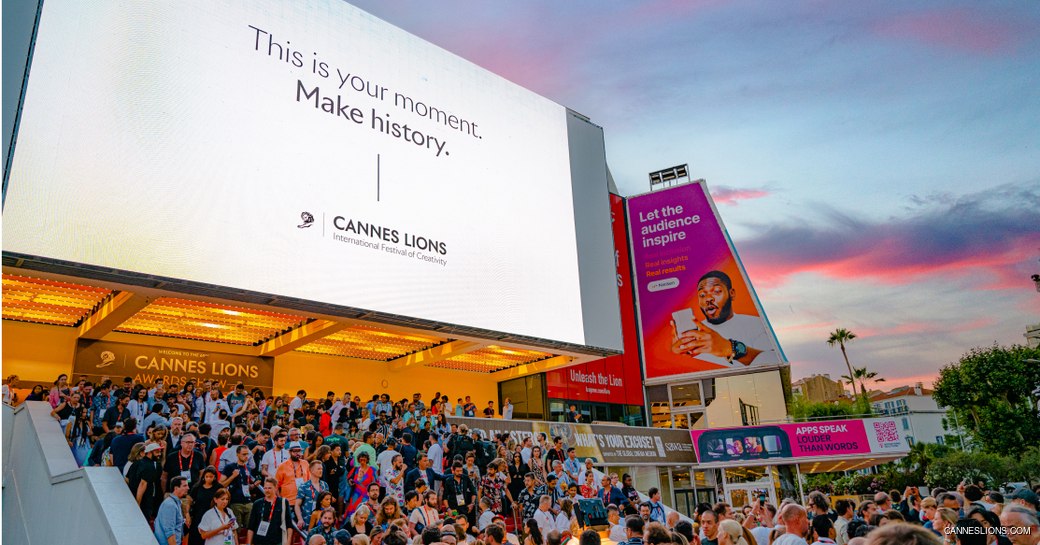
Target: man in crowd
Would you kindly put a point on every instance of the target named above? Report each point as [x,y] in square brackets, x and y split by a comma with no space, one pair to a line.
[1021,525]
[169,524]
[291,475]
[186,462]
[796,525]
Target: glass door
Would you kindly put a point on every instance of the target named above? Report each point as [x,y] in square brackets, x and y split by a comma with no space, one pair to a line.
[740,495]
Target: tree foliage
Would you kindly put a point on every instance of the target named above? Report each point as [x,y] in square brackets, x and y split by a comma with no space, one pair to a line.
[802,410]
[992,391]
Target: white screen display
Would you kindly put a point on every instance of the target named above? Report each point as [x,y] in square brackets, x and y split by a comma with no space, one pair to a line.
[301,149]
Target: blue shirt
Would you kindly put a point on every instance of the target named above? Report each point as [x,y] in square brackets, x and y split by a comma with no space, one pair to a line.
[308,496]
[170,521]
[657,512]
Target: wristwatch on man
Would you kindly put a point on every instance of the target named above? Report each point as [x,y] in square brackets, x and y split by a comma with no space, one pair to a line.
[739,350]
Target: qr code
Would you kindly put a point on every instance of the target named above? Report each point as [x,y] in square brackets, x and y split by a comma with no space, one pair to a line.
[886,431]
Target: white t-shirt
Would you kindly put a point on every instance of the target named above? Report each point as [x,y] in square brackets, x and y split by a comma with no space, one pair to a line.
[617,533]
[384,462]
[7,394]
[295,405]
[761,534]
[789,539]
[213,520]
[424,515]
[485,520]
[272,459]
[546,523]
[436,456]
[213,409]
[746,329]
[563,523]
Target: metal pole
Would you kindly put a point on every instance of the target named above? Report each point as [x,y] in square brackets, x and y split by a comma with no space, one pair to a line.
[801,492]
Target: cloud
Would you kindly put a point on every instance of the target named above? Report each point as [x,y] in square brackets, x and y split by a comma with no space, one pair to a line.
[996,231]
[959,29]
[731,196]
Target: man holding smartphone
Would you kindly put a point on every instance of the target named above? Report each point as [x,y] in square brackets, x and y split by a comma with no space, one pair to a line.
[723,338]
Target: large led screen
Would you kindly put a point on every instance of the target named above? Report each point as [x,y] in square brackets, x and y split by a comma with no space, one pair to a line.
[309,150]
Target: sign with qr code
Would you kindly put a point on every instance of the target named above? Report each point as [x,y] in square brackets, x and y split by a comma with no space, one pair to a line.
[801,440]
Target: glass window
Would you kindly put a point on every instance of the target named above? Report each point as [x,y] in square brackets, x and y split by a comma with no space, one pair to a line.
[735,475]
[526,394]
[660,409]
[906,423]
[686,395]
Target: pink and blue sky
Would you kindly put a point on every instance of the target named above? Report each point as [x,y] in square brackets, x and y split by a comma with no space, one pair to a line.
[877,164]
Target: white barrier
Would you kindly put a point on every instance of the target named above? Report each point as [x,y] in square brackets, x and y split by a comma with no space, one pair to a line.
[48,499]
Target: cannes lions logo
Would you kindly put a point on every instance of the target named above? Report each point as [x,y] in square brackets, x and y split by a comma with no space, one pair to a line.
[107,358]
[308,220]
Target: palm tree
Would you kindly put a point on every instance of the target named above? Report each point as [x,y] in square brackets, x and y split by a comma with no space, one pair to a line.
[839,337]
[861,374]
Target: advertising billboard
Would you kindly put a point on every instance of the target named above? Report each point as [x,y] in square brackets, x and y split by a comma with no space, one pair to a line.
[607,444]
[312,151]
[697,311]
[801,440]
[615,379]
[97,360]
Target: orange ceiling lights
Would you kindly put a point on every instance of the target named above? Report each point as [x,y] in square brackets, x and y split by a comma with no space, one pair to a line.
[490,359]
[371,343]
[42,301]
[181,318]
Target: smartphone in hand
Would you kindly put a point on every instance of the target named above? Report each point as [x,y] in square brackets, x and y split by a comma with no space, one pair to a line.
[684,321]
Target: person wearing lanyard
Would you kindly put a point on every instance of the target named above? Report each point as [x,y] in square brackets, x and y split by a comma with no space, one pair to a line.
[292,474]
[218,524]
[239,482]
[186,462]
[424,515]
[307,494]
[169,524]
[269,520]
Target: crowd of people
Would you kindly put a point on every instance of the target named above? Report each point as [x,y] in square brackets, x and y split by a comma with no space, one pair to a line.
[968,516]
[209,468]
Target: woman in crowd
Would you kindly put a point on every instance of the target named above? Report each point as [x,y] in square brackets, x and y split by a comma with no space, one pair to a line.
[324,502]
[72,415]
[218,524]
[36,394]
[536,465]
[359,478]
[566,521]
[314,444]
[730,533]
[943,522]
[534,534]
[136,453]
[59,391]
[10,383]
[589,489]
[516,471]
[360,522]
[202,495]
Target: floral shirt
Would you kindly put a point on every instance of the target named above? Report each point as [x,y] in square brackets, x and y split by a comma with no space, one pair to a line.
[308,496]
[491,488]
[394,490]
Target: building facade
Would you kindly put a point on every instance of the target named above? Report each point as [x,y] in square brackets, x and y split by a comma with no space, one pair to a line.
[818,388]
[920,417]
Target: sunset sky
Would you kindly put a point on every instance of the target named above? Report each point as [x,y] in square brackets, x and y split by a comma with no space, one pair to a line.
[877,164]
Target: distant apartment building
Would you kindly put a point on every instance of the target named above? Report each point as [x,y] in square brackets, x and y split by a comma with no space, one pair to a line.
[818,388]
[919,415]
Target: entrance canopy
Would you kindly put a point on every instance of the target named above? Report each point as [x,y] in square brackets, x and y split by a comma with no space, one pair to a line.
[259,327]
